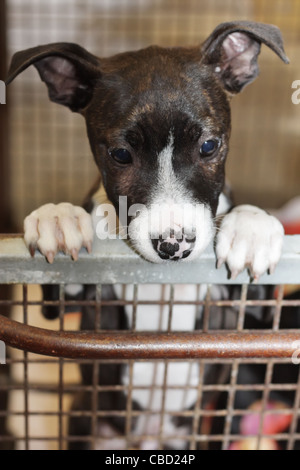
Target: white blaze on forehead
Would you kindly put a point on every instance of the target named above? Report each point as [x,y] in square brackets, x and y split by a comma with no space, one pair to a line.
[169,186]
[166,176]
[169,194]
[172,207]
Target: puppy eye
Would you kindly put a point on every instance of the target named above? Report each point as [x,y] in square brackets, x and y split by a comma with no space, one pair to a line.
[209,147]
[121,156]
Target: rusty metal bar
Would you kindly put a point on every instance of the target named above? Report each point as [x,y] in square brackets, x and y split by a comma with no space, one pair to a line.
[144,345]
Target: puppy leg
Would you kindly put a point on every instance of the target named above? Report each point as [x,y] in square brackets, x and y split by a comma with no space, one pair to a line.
[61,227]
[249,238]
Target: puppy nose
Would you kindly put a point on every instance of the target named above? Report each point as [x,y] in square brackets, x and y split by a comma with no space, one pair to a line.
[174,247]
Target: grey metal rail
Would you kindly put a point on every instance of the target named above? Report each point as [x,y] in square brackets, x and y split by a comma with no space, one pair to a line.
[112,261]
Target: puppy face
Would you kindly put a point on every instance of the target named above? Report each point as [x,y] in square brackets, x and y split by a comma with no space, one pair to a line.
[158,122]
[160,138]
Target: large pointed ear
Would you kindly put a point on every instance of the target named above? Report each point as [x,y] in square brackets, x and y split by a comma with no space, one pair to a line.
[233,48]
[68,70]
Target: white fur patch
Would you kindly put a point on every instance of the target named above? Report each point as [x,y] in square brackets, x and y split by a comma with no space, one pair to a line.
[156,318]
[148,379]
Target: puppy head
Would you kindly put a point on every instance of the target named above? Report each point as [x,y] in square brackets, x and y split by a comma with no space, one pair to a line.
[158,122]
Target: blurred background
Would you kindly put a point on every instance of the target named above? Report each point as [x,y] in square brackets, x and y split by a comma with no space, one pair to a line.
[44,153]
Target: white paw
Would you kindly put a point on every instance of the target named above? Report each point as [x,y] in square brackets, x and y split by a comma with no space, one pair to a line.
[61,227]
[249,238]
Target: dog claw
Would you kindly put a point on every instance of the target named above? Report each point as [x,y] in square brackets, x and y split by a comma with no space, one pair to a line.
[74,254]
[272,269]
[234,274]
[32,248]
[50,257]
[88,246]
[220,263]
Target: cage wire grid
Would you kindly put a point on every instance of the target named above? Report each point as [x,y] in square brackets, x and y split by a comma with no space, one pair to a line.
[38,382]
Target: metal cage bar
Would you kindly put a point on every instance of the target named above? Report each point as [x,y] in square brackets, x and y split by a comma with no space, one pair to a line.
[128,345]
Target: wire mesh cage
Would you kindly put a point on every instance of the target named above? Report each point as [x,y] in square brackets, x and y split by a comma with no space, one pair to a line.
[217,368]
[48,401]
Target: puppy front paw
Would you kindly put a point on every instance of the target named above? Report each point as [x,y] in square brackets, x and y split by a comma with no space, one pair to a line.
[249,238]
[60,227]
